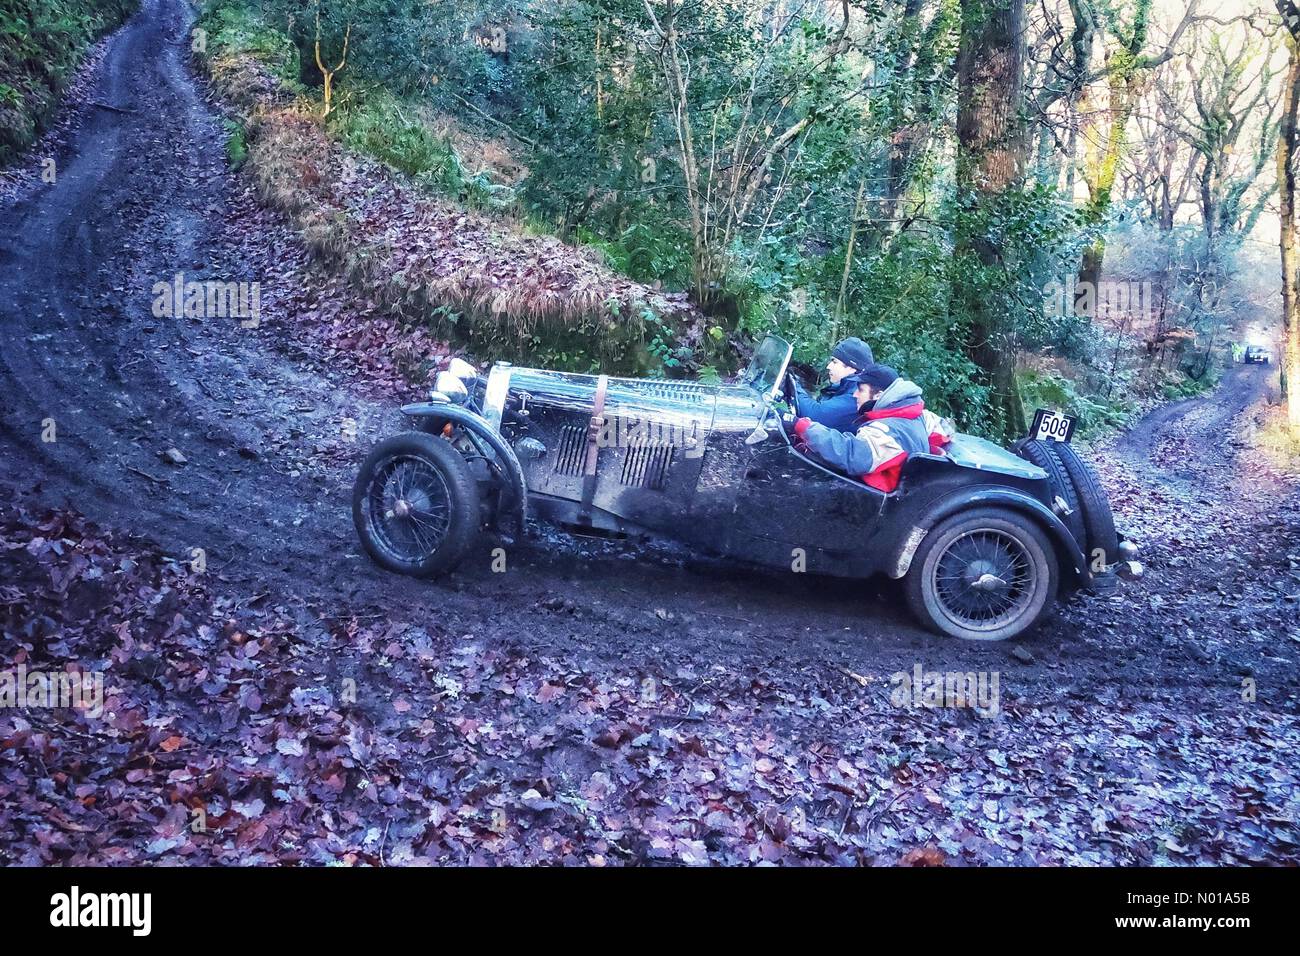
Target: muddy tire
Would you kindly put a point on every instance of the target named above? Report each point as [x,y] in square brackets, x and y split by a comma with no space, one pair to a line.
[1098,521]
[983,575]
[415,505]
[1045,456]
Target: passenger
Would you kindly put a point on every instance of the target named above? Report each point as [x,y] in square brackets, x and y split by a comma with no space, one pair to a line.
[891,425]
[835,407]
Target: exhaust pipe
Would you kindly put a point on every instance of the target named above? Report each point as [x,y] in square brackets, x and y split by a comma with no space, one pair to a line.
[1131,570]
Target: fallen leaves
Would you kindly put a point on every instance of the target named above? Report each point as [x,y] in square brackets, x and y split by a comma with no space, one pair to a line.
[549,692]
[454,749]
[923,856]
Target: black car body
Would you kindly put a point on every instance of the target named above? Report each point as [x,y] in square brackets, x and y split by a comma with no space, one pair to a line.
[711,467]
[1255,354]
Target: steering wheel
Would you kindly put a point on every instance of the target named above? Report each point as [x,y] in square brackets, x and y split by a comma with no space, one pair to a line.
[787,389]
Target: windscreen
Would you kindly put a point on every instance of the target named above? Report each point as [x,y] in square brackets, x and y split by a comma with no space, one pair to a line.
[768,365]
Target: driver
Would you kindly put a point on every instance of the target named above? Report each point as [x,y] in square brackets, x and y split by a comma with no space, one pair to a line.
[835,406]
[893,424]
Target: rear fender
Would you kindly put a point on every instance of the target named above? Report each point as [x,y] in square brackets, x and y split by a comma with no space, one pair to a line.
[1067,549]
[514,502]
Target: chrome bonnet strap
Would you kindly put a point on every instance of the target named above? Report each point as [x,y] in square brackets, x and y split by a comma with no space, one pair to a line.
[594,429]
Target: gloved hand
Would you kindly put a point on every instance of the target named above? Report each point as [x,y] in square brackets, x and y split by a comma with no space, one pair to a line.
[799,432]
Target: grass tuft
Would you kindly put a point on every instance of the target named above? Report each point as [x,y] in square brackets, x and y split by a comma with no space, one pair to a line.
[1278,440]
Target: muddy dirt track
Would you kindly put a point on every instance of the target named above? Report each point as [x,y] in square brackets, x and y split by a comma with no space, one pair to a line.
[143,193]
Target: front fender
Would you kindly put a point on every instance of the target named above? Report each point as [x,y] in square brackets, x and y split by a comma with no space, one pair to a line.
[515,502]
[1066,547]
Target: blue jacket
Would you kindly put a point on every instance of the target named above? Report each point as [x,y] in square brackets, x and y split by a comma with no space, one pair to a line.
[835,408]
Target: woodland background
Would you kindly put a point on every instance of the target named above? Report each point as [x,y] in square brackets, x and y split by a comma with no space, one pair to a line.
[1068,202]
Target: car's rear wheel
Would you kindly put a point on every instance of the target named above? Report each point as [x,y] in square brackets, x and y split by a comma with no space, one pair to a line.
[983,575]
[415,504]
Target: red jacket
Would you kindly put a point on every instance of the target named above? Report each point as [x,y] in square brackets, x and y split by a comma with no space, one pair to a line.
[885,438]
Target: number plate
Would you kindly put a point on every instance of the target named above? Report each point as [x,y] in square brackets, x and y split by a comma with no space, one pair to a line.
[1051,426]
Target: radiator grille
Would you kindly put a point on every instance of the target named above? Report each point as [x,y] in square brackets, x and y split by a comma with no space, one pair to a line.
[573,450]
[684,393]
[646,466]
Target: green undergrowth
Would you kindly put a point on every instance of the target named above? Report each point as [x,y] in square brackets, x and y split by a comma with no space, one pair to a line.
[41,44]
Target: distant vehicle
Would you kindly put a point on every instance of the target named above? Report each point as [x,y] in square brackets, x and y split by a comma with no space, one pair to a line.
[985,540]
[1256,354]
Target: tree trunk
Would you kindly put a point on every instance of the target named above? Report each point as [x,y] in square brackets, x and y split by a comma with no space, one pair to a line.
[990,160]
[1105,156]
[1100,178]
[908,133]
[848,261]
[1286,176]
[1087,284]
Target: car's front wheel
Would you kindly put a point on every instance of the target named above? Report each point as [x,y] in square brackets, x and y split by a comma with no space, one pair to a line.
[983,575]
[415,504]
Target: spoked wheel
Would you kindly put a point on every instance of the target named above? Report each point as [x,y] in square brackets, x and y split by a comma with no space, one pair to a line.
[986,575]
[415,504]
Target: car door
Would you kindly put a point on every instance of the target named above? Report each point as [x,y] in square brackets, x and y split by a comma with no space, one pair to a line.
[790,511]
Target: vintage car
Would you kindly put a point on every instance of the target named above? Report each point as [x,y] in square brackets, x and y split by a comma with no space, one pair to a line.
[986,541]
